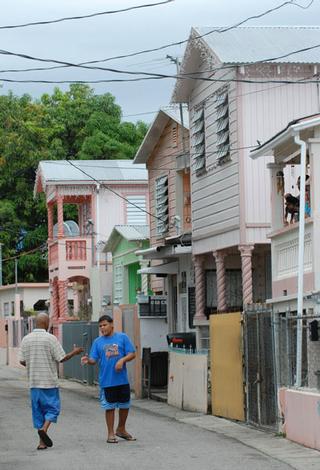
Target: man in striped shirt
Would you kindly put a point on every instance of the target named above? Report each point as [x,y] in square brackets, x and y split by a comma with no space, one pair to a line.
[40,353]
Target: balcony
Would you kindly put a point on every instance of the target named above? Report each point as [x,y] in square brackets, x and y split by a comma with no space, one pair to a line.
[285,247]
[152,306]
[70,256]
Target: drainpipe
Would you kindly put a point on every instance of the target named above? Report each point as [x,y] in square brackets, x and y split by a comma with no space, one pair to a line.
[97,226]
[300,256]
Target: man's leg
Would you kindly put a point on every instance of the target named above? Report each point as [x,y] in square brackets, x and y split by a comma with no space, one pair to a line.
[123,415]
[110,425]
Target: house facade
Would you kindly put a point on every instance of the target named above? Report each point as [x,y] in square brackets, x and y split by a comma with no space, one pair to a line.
[238,99]
[85,199]
[165,151]
[295,274]
[123,243]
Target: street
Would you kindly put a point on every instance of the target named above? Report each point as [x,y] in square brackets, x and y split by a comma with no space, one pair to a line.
[80,441]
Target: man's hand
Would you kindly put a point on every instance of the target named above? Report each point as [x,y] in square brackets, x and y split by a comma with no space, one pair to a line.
[77,350]
[119,365]
[84,360]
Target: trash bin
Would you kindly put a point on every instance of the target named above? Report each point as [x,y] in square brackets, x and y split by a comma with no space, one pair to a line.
[159,369]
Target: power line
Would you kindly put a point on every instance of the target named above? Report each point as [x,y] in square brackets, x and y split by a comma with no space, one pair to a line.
[91,15]
[63,64]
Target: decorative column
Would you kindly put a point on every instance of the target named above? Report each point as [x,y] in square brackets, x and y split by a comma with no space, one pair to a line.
[50,221]
[54,301]
[246,267]
[144,277]
[221,280]
[63,299]
[60,216]
[198,262]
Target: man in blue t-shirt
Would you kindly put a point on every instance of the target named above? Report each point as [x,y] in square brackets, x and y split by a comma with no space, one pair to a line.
[112,351]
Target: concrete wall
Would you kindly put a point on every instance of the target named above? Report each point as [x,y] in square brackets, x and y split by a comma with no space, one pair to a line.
[29,293]
[188,381]
[301,410]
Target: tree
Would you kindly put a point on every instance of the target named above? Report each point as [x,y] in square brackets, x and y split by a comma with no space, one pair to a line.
[74,124]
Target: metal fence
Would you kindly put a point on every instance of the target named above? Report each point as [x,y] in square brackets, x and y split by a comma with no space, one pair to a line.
[82,334]
[260,370]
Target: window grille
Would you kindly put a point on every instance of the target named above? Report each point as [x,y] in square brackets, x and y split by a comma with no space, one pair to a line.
[136,210]
[222,123]
[198,137]
[118,283]
[161,204]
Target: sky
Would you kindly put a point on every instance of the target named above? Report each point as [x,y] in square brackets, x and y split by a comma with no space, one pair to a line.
[122,33]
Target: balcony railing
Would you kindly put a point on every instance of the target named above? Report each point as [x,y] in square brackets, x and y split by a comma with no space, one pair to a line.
[69,250]
[76,250]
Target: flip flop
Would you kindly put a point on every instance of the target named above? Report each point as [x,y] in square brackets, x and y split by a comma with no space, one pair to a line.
[127,437]
[112,440]
[41,448]
[45,438]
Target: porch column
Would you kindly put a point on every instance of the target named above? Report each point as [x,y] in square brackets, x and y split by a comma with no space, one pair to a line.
[76,302]
[277,195]
[144,277]
[63,299]
[60,216]
[221,280]
[54,301]
[50,221]
[246,267]
[199,274]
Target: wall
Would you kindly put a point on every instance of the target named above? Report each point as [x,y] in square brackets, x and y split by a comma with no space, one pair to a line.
[188,382]
[301,410]
[215,192]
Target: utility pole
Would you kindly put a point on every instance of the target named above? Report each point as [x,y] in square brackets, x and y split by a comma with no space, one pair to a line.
[175,60]
[16,274]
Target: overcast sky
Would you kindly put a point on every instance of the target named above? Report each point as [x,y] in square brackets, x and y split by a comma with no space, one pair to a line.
[123,33]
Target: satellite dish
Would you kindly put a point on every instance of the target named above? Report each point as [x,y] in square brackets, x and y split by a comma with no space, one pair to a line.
[70,229]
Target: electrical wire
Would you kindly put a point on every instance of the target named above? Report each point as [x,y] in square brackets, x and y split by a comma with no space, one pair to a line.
[91,15]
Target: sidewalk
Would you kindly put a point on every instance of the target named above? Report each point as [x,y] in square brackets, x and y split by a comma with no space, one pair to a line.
[298,457]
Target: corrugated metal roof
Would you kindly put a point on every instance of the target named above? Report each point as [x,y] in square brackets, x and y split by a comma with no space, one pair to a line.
[255,43]
[129,232]
[89,170]
[133,232]
[174,113]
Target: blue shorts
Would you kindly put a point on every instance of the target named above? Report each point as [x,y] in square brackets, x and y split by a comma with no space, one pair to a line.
[115,397]
[45,404]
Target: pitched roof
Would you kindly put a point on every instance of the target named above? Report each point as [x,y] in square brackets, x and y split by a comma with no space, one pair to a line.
[61,171]
[129,232]
[155,130]
[248,45]
[256,43]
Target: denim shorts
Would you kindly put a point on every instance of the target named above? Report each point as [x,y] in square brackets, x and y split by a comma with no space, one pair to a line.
[115,397]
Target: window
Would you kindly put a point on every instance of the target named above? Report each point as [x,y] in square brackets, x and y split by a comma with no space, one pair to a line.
[222,123]
[136,210]
[198,139]
[118,283]
[233,290]
[161,205]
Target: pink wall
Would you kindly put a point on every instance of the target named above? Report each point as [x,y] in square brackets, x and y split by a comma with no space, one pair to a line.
[301,411]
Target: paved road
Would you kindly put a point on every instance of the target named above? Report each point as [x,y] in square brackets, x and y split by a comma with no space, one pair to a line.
[80,442]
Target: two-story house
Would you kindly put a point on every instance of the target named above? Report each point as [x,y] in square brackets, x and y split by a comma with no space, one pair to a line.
[85,199]
[244,85]
[295,296]
[165,151]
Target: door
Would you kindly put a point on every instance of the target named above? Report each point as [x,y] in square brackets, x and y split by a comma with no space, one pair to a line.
[227,387]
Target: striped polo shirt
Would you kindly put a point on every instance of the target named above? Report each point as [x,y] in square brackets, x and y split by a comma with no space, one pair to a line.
[41,352]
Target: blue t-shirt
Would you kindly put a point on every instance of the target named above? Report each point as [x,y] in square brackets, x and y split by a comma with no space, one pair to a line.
[107,350]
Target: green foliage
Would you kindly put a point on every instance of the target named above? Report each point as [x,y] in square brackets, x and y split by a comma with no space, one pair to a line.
[76,124]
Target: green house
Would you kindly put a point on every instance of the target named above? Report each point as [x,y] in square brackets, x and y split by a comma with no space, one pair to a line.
[123,242]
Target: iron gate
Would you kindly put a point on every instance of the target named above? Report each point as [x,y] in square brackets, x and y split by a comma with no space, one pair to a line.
[260,373]
[82,334]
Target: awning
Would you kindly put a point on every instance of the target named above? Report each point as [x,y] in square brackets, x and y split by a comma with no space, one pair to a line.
[166,268]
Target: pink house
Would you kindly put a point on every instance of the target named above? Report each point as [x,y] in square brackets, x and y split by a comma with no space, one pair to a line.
[238,98]
[85,199]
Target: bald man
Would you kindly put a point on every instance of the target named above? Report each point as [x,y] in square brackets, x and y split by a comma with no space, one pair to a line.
[40,352]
